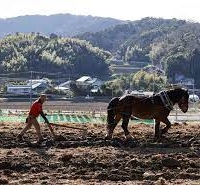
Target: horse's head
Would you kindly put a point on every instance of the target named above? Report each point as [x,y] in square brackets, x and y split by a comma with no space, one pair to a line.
[182,97]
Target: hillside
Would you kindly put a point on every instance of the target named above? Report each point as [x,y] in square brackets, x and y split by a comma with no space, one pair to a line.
[172,45]
[137,34]
[60,24]
[25,52]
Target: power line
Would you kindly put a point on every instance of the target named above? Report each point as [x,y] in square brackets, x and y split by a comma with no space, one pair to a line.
[38,72]
[28,72]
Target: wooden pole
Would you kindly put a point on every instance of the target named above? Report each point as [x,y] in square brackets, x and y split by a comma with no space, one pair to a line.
[67,126]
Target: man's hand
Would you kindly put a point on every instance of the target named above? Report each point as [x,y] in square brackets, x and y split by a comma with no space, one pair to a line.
[51,129]
[47,122]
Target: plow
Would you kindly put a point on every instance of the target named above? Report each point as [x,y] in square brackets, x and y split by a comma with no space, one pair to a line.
[67,126]
[84,131]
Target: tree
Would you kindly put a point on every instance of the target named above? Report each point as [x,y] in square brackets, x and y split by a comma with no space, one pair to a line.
[195,67]
[148,81]
[35,52]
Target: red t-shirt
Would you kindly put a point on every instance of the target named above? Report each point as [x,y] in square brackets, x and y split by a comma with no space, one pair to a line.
[36,108]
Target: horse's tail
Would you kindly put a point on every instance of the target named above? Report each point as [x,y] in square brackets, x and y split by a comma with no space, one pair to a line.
[111,110]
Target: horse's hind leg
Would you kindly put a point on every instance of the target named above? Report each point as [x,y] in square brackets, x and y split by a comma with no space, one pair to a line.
[112,121]
[125,126]
[168,126]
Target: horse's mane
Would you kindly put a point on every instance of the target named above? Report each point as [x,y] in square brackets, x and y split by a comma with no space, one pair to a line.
[172,89]
[175,86]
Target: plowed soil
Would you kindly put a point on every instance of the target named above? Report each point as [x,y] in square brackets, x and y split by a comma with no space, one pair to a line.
[86,158]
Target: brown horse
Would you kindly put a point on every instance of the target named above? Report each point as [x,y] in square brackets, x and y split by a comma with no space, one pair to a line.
[155,107]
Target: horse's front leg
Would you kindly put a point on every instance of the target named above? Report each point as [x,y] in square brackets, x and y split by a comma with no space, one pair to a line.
[167,127]
[125,126]
[157,129]
[111,124]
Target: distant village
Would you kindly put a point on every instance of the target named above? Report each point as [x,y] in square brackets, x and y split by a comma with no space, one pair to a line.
[87,84]
[38,86]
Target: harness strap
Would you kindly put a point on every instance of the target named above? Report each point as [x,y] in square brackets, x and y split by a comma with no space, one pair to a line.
[166,101]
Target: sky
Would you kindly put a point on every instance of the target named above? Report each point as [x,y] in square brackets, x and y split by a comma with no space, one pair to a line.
[119,9]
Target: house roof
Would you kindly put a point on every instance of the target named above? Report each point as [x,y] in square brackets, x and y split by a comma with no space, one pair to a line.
[84,78]
[64,84]
[19,86]
[92,80]
[26,86]
[36,85]
[35,81]
[61,88]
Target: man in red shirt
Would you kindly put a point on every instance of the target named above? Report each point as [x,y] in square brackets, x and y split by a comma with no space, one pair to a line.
[35,111]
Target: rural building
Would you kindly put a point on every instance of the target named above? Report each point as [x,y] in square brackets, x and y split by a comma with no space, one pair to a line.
[18,89]
[88,82]
[64,86]
[35,81]
[26,89]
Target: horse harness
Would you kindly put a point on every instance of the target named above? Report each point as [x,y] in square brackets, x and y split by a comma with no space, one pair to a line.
[166,100]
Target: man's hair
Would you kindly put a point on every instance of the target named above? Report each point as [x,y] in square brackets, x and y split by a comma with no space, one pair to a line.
[43,95]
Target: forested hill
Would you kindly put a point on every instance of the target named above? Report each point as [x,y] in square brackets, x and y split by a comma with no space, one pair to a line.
[60,24]
[25,52]
[136,36]
[172,45]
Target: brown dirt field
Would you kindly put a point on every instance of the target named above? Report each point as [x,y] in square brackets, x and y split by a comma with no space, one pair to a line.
[86,158]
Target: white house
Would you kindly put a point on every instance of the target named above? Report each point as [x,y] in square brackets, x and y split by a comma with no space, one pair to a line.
[64,86]
[87,81]
[19,89]
[83,81]
[35,81]
[95,82]
[40,87]
[26,89]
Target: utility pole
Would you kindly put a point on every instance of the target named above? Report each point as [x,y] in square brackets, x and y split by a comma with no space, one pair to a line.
[193,89]
[194,106]
[154,81]
[154,121]
[154,70]
[31,88]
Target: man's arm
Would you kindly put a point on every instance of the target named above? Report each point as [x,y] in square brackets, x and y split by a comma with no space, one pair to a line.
[48,124]
[44,117]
